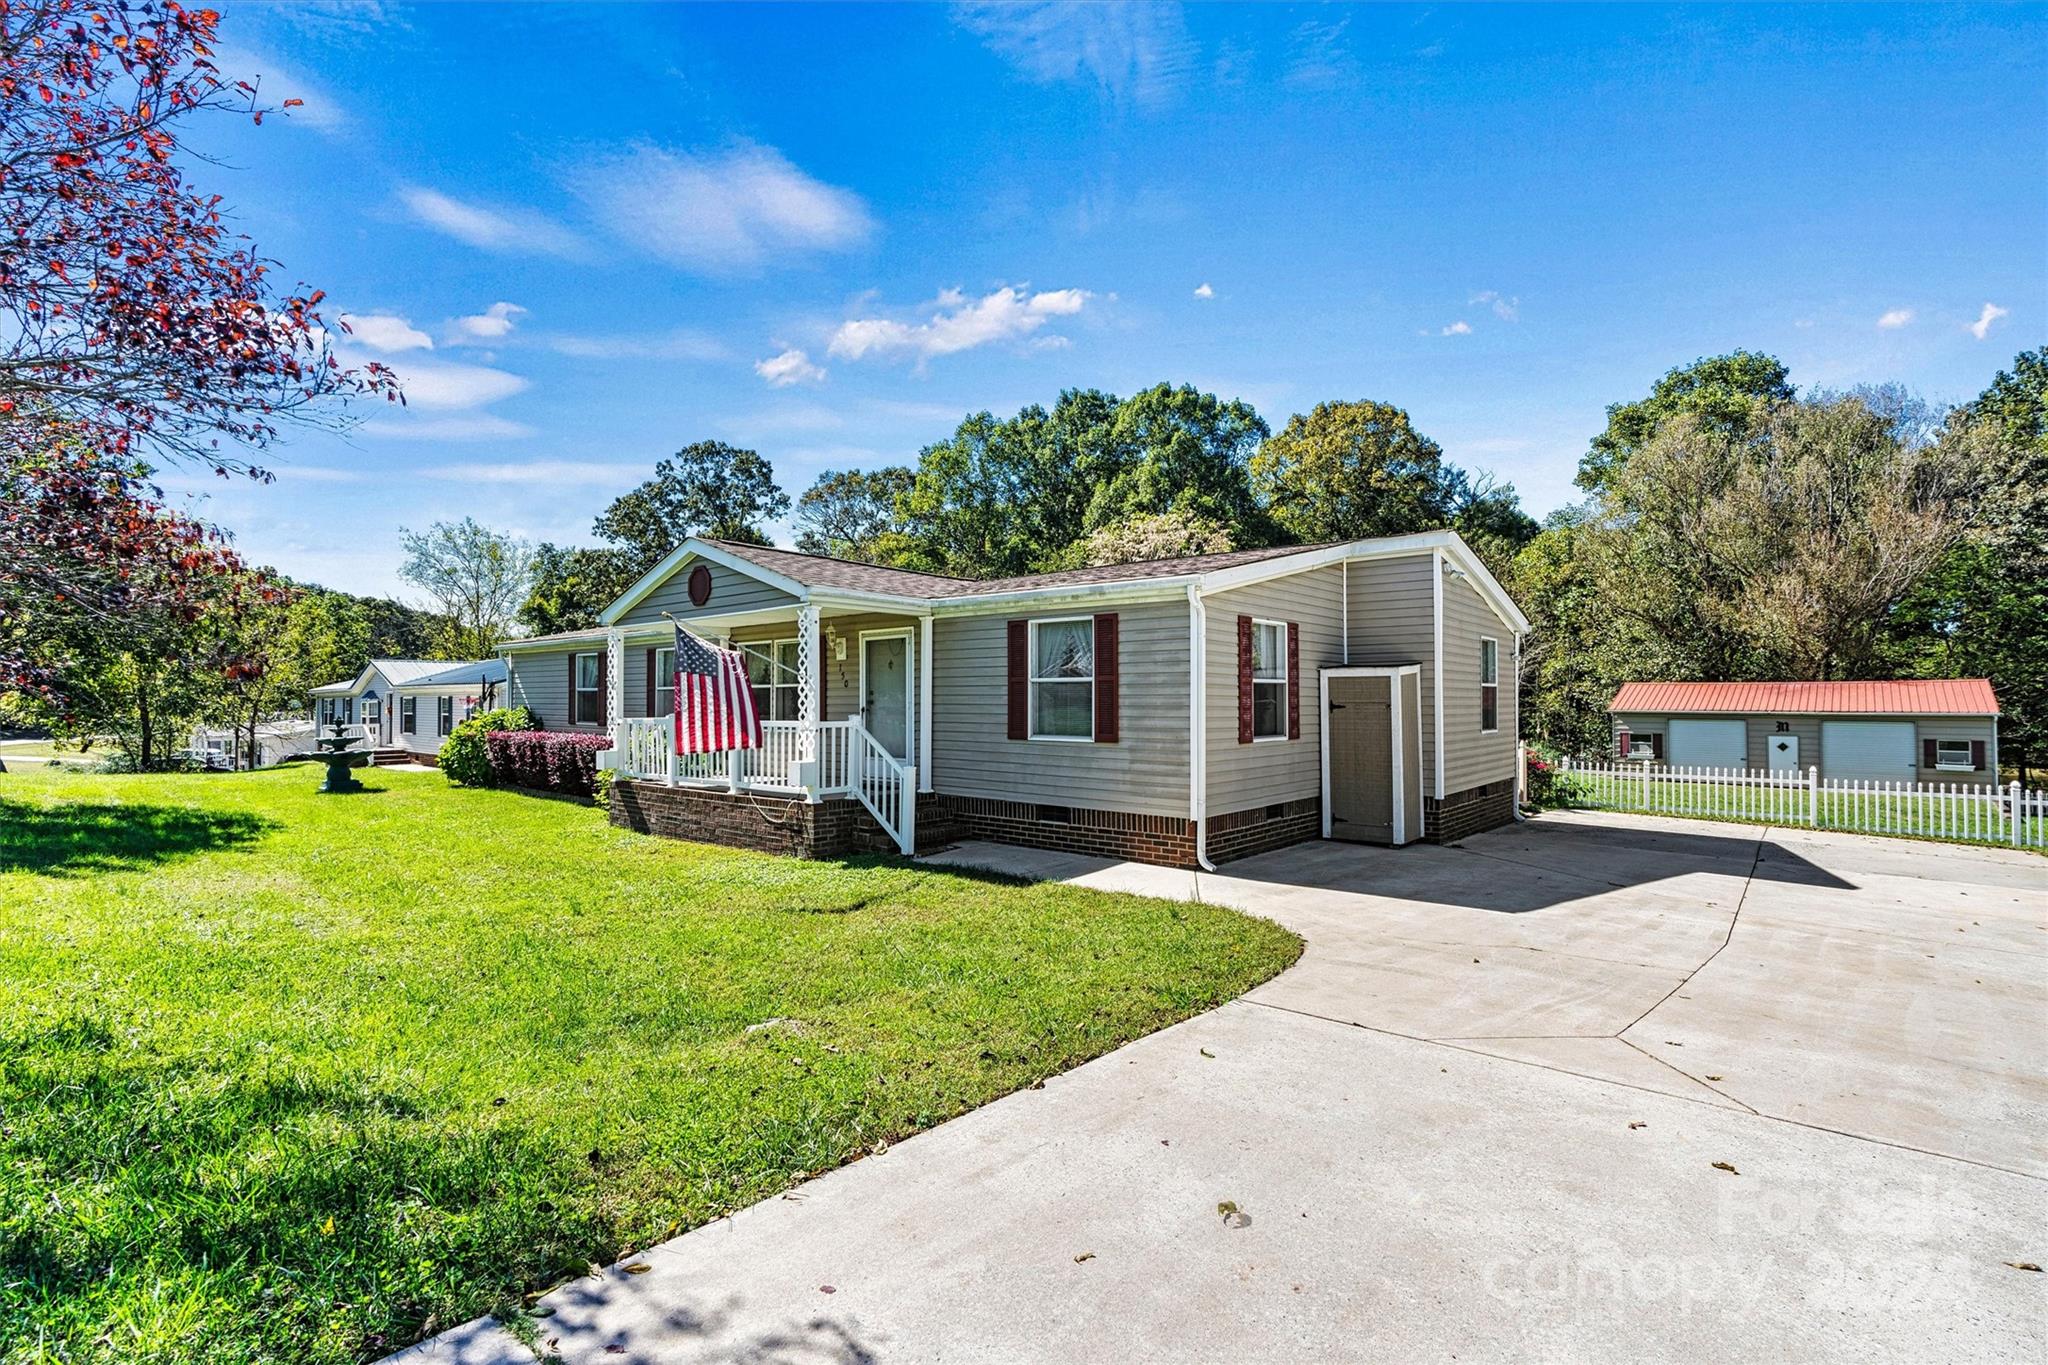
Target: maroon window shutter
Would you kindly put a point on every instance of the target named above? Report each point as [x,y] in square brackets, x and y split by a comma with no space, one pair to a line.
[1244,680]
[1293,680]
[1106,678]
[570,719]
[824,673]
[650,684]
[1622,741]
[1930,756]
[1977,755]
[1657,748]
[603,666]
[1020,680]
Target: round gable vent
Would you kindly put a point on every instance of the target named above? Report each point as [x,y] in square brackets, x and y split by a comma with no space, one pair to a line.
[700,585]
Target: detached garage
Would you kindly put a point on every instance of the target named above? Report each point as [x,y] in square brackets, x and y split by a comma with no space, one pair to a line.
[1938,730]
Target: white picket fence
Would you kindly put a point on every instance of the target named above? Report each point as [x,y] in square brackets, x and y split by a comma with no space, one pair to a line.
[1959,814]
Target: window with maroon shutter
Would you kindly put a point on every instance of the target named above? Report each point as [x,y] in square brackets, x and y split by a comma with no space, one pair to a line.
[1955,755]
[1271,684]
[1020,679]
[1106,678]
[1244,680]
[1293,680]
[650,711]
[1656,747]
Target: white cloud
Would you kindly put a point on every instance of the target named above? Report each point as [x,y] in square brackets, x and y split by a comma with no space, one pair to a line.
[453,388]
[1460,328]
[384,332]
[556,473]
[677,345]
[957,324]
[493,324]
[1981,328]
[475,426]
[722,212]
[1505,308]
[790,367]
[314,473]
[1203,291]
[1895,319]
[493,229]
[275,83]
[1321,57]
[1128,51]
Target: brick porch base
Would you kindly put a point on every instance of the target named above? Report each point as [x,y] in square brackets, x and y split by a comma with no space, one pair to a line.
[833,828]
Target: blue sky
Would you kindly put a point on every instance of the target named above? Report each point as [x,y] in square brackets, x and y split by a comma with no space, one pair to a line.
[588,235]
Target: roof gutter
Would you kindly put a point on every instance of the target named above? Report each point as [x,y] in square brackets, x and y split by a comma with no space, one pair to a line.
[1198,726]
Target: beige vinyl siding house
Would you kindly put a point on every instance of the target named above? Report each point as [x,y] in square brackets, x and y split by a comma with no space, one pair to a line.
[1170,710]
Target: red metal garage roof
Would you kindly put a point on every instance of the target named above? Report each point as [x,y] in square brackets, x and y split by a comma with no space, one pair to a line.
[1908,697]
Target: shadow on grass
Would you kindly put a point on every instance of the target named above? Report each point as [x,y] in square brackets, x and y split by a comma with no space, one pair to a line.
[75,838]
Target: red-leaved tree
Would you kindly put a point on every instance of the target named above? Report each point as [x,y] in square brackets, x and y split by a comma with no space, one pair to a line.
[136,321]
[135,330]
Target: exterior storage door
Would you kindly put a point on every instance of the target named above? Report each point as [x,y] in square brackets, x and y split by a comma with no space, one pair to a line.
[1867,750]
[1707,744]
[1361,759]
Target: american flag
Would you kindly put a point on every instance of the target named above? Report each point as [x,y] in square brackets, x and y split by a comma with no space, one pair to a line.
[714,705]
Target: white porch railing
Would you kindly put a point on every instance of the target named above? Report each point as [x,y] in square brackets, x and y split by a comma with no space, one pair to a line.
[1974,814]
[849,762]
[886,787]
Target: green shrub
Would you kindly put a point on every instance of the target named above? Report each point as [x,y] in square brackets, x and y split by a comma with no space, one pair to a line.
[601,788]
[466,755]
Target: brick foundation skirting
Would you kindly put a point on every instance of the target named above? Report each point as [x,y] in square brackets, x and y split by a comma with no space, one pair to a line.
[1168,840]
[832,828]
[1469,812]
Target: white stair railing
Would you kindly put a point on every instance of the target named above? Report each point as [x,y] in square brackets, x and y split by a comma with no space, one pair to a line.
[888,788]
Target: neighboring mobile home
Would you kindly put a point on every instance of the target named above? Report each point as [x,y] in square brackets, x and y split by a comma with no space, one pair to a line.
[1942,730]
[403,708]
[1173,711]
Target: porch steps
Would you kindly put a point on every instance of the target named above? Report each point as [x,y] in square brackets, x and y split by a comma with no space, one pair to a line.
[389,756]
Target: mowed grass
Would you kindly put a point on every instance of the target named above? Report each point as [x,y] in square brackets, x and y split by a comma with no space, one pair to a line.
[296,1078]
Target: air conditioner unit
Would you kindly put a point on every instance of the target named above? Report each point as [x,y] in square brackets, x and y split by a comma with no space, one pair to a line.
[803,773]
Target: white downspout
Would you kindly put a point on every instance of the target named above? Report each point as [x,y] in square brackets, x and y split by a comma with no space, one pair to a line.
[1198,725]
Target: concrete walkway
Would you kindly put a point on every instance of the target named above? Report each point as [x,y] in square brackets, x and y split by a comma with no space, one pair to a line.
[1488,1115]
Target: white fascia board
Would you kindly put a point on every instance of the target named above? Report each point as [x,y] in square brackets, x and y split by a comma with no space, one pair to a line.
[860,599]
[694,548]
[579,641]
[1067,595]
[1388,547]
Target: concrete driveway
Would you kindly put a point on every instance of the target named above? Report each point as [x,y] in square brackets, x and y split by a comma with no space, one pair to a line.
[1491,1113]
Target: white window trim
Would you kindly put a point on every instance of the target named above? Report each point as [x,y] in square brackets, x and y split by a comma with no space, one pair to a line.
[670,675]
[1965,766]
[1269,679]
[1484,728]
[408,716]
[444,719]
[773,651]
[596,688]
[1032,680]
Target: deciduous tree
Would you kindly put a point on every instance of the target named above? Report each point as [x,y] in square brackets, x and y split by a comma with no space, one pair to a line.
[476,577]
[853,514]
[1725,393]
[707,488]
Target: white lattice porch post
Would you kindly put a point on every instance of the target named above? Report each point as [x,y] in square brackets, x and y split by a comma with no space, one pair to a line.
[810,666]
[924,704]
[615,686]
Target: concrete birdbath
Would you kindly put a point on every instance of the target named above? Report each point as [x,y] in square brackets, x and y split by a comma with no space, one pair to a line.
[335,752]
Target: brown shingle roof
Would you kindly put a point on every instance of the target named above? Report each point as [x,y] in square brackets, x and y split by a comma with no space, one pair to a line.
[823,572]
[1904,697]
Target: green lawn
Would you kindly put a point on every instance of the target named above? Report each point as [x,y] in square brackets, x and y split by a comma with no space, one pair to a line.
[297,1078]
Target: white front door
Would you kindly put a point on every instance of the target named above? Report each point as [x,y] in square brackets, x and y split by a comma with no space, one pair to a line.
[885,690]
[1784,753]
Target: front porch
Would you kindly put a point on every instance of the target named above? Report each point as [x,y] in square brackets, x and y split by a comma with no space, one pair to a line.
[873,669]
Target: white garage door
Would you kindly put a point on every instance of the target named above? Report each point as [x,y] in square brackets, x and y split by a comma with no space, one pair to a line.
[1866,750]
[1707,744]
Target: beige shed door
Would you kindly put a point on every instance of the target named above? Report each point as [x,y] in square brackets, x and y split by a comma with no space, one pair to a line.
[1362,759]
